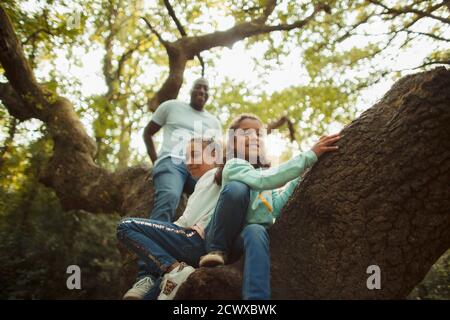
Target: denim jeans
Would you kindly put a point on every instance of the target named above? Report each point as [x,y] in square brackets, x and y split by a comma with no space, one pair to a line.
[228,218]
[226,233]
[170,179]
[160,244]
[254,243]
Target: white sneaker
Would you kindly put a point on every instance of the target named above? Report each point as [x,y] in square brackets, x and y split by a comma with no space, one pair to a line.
[173,280]
[139,289]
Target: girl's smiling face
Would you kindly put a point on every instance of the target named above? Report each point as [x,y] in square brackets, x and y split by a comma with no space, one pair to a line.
[249,140]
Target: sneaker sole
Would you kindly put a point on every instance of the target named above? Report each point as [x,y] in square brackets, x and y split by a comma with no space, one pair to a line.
[211,262]
[131,297]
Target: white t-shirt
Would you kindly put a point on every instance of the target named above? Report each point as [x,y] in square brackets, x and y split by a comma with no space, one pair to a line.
[201,204]
[180,123]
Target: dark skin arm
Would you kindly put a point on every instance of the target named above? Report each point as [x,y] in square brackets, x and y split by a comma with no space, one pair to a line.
[149,131]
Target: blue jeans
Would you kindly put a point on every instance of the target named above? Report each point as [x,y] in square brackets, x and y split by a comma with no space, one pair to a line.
[228,218]
[170,179]
[254,243]
[226,233]
[160,244]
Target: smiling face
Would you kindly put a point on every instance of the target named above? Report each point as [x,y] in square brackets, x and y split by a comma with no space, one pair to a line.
[249,140]
[200,158]
[199,95]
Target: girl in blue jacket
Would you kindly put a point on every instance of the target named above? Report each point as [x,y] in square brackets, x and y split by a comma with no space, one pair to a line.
[248,166]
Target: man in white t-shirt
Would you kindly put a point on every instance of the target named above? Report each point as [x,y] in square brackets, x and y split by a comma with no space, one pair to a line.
[180,122]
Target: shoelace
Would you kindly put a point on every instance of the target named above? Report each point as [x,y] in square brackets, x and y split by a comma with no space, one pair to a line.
[181,266]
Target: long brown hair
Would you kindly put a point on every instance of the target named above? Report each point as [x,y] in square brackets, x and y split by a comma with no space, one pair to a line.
[230,148]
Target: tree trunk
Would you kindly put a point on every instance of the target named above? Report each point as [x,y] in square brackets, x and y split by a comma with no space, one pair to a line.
[383,199]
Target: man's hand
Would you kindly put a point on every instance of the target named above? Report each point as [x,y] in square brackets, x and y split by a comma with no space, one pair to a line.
[325,144]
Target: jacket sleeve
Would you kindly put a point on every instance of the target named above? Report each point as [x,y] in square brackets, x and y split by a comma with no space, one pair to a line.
[281,197]
[273,178]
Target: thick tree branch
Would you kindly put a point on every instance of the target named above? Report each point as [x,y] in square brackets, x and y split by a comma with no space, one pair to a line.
[186,48]
[177,64]
[14,103]
[18,71]
[71,172]
[172,85]
[194,45]
[182,30]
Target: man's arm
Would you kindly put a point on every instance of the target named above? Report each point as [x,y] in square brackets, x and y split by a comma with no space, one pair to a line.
[149,131]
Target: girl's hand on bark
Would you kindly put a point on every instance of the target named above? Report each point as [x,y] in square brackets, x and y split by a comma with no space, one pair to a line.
[325,144]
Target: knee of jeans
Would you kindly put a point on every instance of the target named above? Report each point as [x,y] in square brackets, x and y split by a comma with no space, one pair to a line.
[255,232]
[169,193]
[122,228]
[236,191]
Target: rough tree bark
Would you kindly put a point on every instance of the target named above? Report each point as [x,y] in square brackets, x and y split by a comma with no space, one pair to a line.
[383,199]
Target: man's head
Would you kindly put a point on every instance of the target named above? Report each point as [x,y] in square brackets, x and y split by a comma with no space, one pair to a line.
[199,93]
